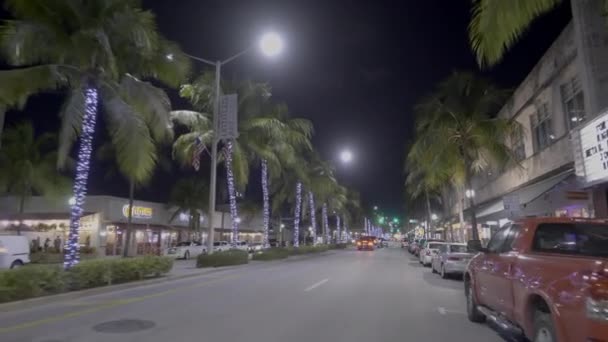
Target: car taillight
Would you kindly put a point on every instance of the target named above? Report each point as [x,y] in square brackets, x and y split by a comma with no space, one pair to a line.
[370,243]
[597,302]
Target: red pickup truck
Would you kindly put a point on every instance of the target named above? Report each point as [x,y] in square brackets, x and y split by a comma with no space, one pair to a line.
[544,278]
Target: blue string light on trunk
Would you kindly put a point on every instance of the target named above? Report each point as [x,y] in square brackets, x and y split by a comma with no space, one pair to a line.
[313,216]
[71,256]
[296,219]
[231,194]
[325,223]
[266,199]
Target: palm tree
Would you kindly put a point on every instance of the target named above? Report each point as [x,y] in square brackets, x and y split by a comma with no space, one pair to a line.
[130,168]
[497,25]
[28,165]
[322,183]
[456,131]
[190,196]
[97,51]
[267,135]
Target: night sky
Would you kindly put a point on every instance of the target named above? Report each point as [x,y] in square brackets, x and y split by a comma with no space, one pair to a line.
[355,68]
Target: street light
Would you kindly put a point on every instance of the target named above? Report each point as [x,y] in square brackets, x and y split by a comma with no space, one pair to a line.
[375,208]
[434,217]
[346,156]
[271,45]
[72,200]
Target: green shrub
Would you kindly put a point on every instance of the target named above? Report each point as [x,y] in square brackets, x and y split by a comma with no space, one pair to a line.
[225,258]
[338,246]
[271,254]
[54,258]
[102,272]
[30,281]
[307,249]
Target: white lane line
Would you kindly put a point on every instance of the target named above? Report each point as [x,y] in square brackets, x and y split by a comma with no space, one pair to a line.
[315,285]
[445,311]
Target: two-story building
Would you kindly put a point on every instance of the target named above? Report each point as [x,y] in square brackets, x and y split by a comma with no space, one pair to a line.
[561,94]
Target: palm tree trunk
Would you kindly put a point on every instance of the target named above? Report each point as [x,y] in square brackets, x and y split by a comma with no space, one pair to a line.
[231,194]
[71,257]
[472,206]
[338,236]
[266,204]
[296,218]
[429,214]
[325,224]
[313,216]
[21,209]
[125,251]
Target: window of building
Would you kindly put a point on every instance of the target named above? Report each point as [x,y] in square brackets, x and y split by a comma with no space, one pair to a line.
[518,146]
[542,128]
[574,103]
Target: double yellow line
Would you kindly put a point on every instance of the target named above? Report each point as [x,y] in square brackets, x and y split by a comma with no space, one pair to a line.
[109,305]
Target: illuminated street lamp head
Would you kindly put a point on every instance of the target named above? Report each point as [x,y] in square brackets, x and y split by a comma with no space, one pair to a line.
[346,156]
[271,44]
[72,200]
[434,217]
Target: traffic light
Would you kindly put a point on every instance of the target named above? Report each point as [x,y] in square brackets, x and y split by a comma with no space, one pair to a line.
[381,220]
[395,220]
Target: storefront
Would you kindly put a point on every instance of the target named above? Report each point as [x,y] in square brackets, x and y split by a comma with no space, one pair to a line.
[591,161]
[103,226]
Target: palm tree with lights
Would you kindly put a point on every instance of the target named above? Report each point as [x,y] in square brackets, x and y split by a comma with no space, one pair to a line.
[457,133]
[96,51]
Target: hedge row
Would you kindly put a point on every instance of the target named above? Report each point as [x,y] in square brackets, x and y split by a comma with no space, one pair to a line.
[224,258]
[271,254]
[40,280]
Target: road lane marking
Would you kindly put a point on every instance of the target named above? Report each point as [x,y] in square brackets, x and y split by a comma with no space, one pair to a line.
[315,285]
[107,305]
[444,311]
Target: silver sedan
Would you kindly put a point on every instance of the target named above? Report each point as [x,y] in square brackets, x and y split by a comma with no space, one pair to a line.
[452,258]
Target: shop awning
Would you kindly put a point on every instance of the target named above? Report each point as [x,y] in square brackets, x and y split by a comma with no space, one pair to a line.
[526,194]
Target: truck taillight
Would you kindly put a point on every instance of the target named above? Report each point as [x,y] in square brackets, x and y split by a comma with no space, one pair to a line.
[597,302]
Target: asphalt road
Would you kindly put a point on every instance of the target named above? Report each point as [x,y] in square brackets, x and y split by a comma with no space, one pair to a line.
[350,296]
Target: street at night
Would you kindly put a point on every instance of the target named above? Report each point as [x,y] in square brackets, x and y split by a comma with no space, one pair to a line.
[382,295]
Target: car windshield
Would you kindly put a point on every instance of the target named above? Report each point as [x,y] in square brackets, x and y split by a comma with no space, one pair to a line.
[433,245]
[218,243]
[184,243]
[458,248]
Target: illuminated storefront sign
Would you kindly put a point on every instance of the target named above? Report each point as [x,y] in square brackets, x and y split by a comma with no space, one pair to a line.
[137,212]
[594,147]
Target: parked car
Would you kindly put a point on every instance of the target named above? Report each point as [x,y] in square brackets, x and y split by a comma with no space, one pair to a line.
[187,249]
[255,247]
[451,259]
[366,242]
[546,278]
[243,246]
[405,243]
[14,251]
[430,249]
[220,246]
[412,246]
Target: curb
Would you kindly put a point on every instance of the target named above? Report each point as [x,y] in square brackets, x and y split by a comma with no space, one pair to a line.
[50,299]
[25,304]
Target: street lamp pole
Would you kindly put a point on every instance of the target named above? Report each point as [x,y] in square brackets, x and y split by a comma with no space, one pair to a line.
[271,44]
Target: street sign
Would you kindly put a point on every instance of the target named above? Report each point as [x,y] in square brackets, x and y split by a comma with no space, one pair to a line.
[512,204]
[227,123]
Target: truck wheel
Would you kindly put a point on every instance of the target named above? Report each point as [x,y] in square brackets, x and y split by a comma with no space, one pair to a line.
[473,313]
[16,264]
[543,328]
[187,255]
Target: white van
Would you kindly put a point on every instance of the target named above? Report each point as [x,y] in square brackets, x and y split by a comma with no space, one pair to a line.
[14,251]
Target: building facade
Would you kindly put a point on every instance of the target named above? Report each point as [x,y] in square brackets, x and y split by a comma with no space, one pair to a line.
[155,227]
[560,96]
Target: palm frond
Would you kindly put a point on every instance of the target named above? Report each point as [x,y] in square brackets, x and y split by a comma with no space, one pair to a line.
[497,25]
